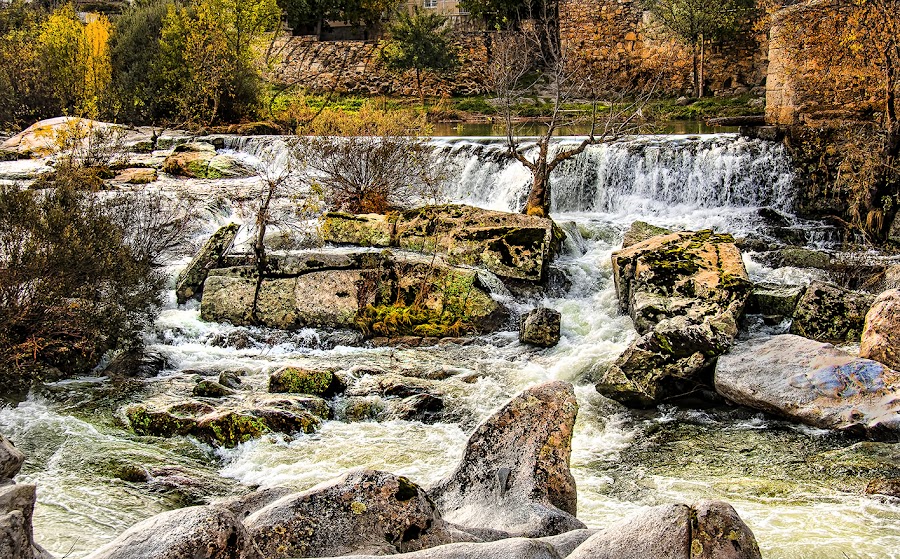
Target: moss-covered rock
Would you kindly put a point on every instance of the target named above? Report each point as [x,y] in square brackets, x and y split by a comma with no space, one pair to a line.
[296,380]
[640,231]
[685,293]
[199,161]
[829,313]
[211,389]
[510,245]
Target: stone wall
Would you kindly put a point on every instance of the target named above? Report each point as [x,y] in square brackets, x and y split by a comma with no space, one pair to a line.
[621,32]
[813,77]
[353,67]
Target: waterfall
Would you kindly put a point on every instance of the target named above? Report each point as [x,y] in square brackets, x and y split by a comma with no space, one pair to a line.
[654,174]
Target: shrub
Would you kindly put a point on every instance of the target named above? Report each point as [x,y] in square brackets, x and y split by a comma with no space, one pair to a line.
[72,286]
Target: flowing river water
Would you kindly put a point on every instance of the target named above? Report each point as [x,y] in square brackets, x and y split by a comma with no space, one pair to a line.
[801,490]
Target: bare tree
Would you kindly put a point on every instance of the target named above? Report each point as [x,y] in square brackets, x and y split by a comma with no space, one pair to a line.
[614,104]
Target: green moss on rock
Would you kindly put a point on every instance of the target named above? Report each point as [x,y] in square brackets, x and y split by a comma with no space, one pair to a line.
[295,380]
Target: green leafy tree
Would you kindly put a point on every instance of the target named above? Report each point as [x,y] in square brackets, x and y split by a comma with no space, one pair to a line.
[505,13]
[24,93]
[134,52]
[421,42]
[699,22]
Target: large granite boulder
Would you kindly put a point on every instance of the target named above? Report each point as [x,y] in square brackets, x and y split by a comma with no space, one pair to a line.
[11,459]
[829,313]
[514,478]
[204,532]
[707,530]
[361,512]
[511,548]
[514,246]
[881,333]
[540,327]
[641,231]
[190,280]
[813,383]
[685,293]
[382,294]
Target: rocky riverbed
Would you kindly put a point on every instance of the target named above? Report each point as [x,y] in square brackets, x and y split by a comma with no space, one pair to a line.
[215,410]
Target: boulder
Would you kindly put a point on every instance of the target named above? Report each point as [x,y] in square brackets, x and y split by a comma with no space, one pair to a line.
[389,294]
[426,408]
[48,136]
[813,383]
[774,299]
[829,313]
[11,459]
[138,175]
[540,327]
[211,389]
[567,542]
[641,231]
[16,511]
[361,512]
[303,381]
[894,231]
[708,530]
[190,280]
[685,293]
[887,487]
[199,160]
[207,532]
[227,425]
[881,331]
[512,548]
[800,257]
[514,476]
[510,245]
[230,379]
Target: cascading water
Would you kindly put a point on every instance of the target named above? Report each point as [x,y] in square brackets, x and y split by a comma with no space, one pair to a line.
[795,487]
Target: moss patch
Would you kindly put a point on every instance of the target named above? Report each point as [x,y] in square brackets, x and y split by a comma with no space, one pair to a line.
[295,380]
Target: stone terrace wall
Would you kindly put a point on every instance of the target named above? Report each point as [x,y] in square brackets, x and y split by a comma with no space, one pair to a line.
[353,67]
[621,31]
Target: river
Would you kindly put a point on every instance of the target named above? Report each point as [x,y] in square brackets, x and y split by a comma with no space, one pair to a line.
[799,489]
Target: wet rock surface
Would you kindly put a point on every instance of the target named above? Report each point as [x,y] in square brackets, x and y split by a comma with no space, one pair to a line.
[685,293]
[514,476]
[11,459]
[17,502]
[361,512]
[510,245]
[813,383]
[830,313]
[881,332]
[513,548]
[540,327]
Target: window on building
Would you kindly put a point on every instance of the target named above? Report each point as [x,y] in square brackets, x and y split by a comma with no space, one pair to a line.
[429,3]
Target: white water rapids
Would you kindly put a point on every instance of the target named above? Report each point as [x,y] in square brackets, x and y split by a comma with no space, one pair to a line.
[799,489]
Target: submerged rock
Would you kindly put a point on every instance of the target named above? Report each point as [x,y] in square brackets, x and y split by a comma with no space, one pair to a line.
[685,293]
[228,425]
[887,487]
[190,281]
[303,381]
[707,530]
[829,313]
[361,512]
[881,333]
[510,245]
[208,532]
[211,389]
[540,327]
[514,476]
[811,382]
[139,175]
[11,459]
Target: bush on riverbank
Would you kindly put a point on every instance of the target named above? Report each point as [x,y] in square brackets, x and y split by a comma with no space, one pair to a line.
[72,284]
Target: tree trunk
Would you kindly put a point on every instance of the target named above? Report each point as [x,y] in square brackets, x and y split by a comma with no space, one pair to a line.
[702,66]
[892,126]
[696,60]
[419,86]
[538,202]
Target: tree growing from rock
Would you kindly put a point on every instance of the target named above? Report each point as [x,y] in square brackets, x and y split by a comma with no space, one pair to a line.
[419,42]
[576,90]
[700,22]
